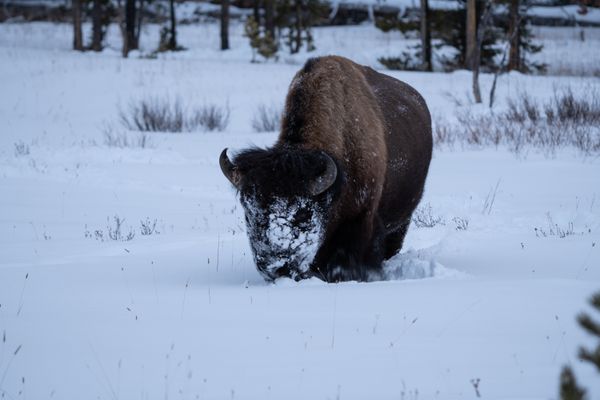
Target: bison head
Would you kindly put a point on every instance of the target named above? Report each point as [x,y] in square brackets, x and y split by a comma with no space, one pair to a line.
[287,203]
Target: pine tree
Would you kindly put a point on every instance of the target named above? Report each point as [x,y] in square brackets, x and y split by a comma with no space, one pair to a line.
[593,328]
[569,388]
[261,40]
[450,26]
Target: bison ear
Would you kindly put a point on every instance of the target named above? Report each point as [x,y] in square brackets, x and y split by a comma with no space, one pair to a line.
[229,169]
[326,179]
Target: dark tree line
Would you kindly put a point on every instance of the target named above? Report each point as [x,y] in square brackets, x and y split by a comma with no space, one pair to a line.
[129,16]
[279,24]
[473,29]
[100,11]
[459,28]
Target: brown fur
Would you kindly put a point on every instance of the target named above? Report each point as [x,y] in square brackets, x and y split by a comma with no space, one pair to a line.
[378,132]
[358,115]
[343,117]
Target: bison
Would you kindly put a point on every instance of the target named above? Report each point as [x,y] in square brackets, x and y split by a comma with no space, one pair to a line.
[333,197]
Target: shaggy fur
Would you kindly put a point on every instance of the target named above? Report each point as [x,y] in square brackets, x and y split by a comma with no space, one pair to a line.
[378,131]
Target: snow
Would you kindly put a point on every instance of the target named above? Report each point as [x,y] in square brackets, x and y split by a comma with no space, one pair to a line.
[401,5]
[569,12]
[185,314]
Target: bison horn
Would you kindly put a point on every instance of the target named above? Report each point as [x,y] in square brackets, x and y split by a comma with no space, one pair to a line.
[326,179]
[229,170]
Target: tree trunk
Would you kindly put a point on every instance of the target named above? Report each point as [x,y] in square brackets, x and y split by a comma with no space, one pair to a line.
[514,56]
[173,38]
[476,61]
[425,37]
[130,21]
[140,18]
[97,26]
[256,11]
[77,32]
[224,24]
[298,41]
[476,89]
[270,17]
[471,34]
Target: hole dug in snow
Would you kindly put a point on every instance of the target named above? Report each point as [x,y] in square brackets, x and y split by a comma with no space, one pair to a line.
[416,264]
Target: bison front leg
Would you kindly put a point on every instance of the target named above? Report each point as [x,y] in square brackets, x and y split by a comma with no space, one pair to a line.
[357,251]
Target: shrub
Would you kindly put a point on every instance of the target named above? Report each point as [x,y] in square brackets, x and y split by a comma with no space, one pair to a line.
[462,224]
[554,229]
[148,227]
[165,115]
[423,217]
[117,232]
[21,149]
[266,119]
[122,139]
[211,117]
[563,121]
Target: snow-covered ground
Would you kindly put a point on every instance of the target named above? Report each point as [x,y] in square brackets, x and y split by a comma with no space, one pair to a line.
[183,314]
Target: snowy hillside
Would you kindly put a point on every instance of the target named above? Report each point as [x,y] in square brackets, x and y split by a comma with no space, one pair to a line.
[480,304]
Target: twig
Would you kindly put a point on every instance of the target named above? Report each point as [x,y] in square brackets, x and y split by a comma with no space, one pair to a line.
[334,314]
[112,390]
[22,293]
[8,366]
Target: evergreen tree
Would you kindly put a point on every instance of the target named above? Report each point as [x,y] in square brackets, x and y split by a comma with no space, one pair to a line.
[450,26]
[569,388]
[261,40]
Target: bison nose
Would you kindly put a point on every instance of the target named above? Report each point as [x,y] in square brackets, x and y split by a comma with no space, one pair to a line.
[283,271]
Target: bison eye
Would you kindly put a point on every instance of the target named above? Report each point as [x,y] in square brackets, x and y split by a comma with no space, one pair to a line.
[302,216]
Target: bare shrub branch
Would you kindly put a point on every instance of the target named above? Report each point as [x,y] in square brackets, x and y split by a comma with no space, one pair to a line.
[423,217]
[564,121]
[148,227]
[122,139]
[166,115]
[266,119]
[21,149]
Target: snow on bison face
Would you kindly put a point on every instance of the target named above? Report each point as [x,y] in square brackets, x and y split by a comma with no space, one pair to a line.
[285,234]
[286,198]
